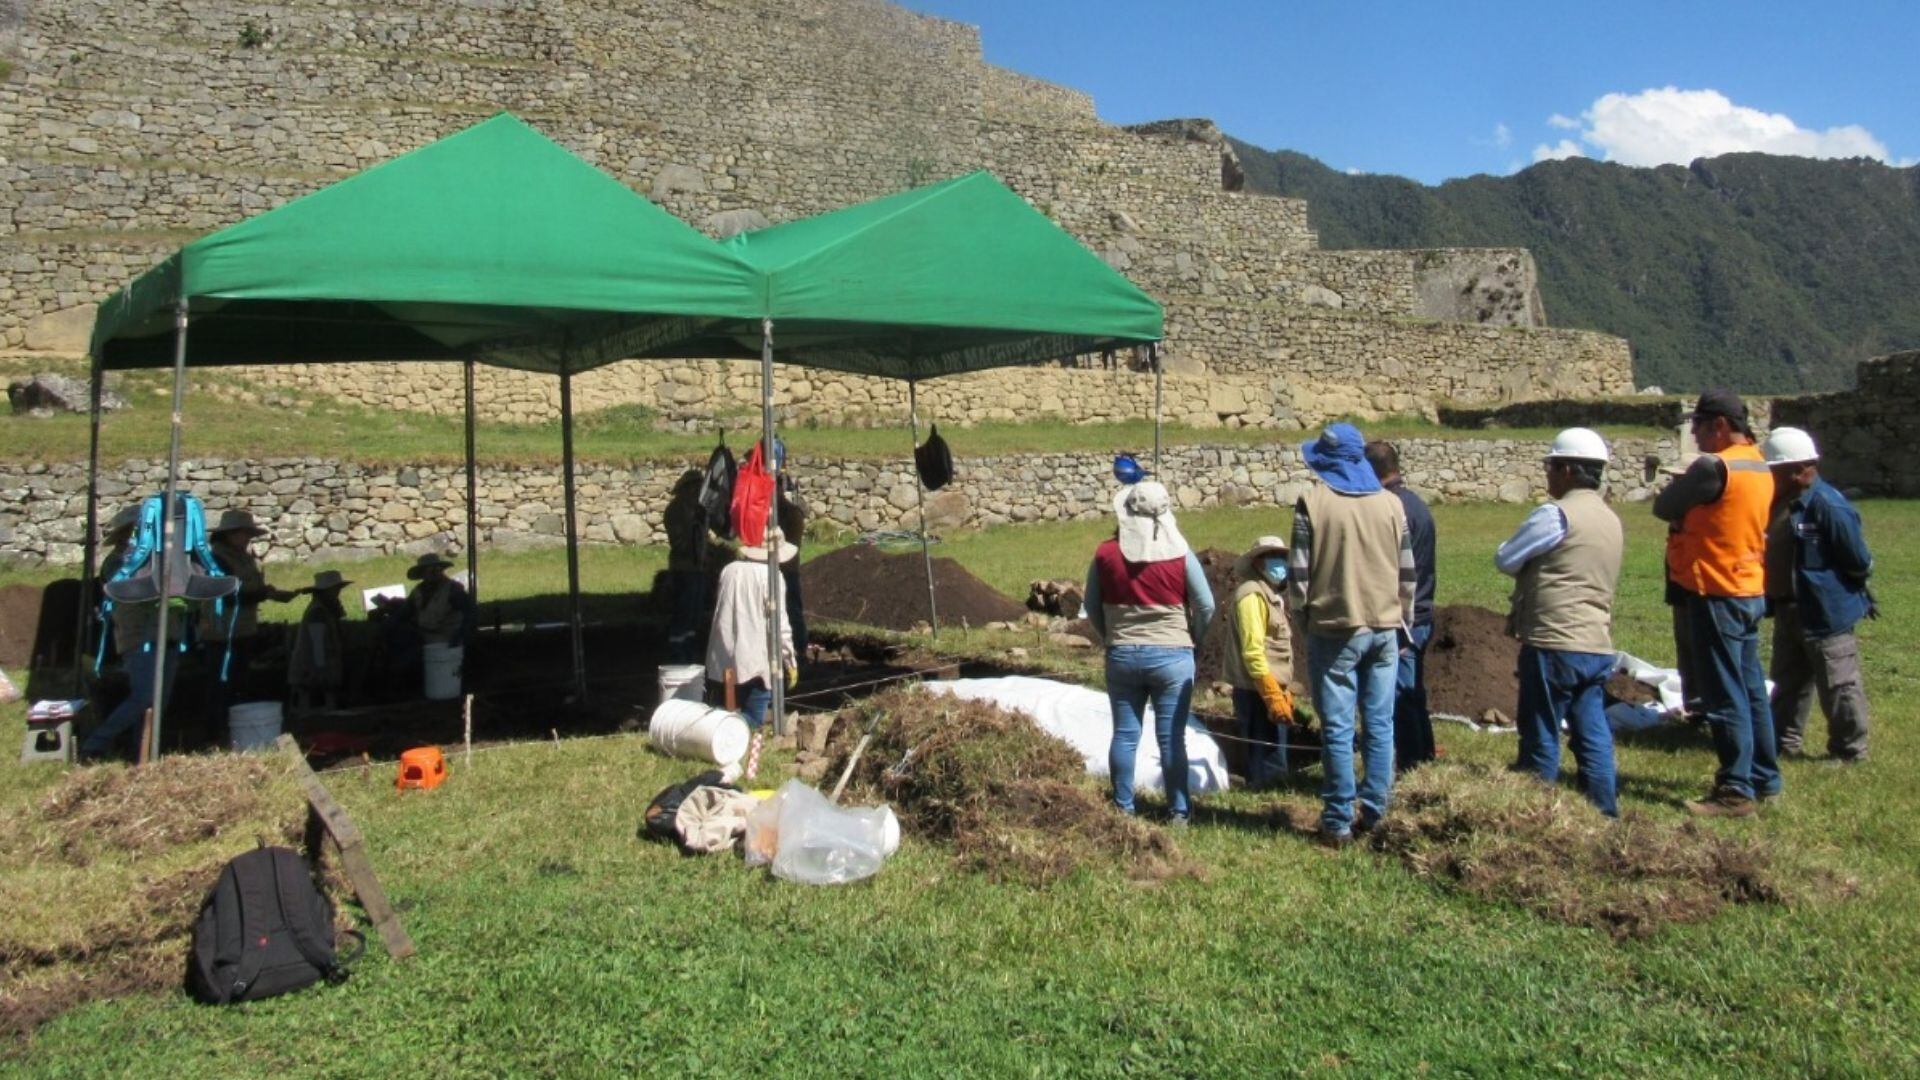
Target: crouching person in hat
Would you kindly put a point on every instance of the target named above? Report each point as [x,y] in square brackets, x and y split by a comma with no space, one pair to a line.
[229,634]
[737,643]
[1147,597]
[1259,659]
[316,667]
[1565,562]
[1817,568]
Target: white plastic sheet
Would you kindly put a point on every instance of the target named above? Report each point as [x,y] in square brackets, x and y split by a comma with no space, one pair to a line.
[1082,718]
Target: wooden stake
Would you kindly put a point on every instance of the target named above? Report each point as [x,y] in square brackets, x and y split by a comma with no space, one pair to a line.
[145,754]
[853,759]
[466,717]
[330,815]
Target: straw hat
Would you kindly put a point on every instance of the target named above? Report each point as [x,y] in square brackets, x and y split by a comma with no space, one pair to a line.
[328,579]
[122,521]
[424,563]
[237,521]
[759,554]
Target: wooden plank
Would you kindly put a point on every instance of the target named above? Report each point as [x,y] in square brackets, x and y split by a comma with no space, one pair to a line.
[353,855]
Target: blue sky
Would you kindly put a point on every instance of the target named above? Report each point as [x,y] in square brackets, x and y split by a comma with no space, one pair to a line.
[1435,90]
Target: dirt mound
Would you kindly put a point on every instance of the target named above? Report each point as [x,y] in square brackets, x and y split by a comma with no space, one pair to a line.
[862,584]
[1632,691]
[1011,799]
[19,622]
[1471,662]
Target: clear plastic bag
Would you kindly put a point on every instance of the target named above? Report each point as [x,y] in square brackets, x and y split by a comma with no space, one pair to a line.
[819,843]
[9,693]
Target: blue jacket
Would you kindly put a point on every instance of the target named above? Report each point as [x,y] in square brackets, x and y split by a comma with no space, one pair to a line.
[1830,561]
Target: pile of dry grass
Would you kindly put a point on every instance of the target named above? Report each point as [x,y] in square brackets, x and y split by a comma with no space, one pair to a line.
[1011,799]
[1503,836]
[102,876]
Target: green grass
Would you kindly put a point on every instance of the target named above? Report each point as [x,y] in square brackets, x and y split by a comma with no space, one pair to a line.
[554,943]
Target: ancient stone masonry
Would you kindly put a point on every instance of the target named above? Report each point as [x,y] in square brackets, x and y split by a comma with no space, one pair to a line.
[128,127]
[319,510]
[1865,434]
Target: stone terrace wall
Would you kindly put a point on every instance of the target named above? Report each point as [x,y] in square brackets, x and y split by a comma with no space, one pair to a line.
[1866,434]
[321,511]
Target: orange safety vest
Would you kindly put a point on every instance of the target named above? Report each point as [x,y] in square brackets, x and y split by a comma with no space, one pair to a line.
[1720,548]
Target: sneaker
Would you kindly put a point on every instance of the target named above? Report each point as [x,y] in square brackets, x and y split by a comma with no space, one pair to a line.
[1178,821]
[1721,802]
[1366,824]
[1327,838]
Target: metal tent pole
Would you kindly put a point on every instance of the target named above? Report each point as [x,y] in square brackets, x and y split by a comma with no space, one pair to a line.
[1153,357]
[776,588]
[167,525]
[473,499]
[88,546]
[573,539]
[920,497]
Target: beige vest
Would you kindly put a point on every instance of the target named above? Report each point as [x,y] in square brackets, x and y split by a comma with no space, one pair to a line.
[1279,646]
[1353,579]
[1564,599]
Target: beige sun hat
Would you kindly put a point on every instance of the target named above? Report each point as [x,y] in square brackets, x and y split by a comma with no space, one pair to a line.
[759,554]
[1148,532]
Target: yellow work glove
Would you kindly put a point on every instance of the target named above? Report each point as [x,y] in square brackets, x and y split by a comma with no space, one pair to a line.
[1279,700]
[793,677]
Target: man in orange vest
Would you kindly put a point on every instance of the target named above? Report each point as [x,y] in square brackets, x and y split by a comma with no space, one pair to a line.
[1716,555]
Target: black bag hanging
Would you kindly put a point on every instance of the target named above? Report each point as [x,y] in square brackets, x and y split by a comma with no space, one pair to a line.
[933,461]
[263,930]
[716,491]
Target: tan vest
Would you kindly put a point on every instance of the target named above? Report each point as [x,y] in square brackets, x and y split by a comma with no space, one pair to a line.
[1279,646]
[1564,599]
[1353,577]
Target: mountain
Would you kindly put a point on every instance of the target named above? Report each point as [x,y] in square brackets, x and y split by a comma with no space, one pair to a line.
[1770,274]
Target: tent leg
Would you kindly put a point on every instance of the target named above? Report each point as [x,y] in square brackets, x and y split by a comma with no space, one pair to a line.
[473,498]
[1153,357]
[920,497]
[165,572]
[89,546]
[573,536]
[776,588]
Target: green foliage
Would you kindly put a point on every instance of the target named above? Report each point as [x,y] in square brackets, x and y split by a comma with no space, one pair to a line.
[253,36]
[1771,274]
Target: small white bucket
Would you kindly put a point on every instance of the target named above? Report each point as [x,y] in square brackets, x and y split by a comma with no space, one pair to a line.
[253,725]
[689,729]
[688,682]
[442,666]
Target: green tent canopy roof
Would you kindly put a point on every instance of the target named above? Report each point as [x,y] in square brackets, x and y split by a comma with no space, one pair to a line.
[494,243]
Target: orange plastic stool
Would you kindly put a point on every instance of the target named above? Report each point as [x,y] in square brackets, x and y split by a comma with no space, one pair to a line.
[422,769]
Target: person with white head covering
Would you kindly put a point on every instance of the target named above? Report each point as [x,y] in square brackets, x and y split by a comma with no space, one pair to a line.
[737,642]
[1565,562]
[1817,570]
[1148,599]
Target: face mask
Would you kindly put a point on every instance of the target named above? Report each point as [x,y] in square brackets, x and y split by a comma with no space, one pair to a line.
[1274,571]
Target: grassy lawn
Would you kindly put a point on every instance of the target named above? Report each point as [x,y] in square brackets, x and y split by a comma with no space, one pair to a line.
[552,942]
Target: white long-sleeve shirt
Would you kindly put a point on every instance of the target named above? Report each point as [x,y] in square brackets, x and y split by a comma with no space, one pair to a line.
[739,638]
[1542,531]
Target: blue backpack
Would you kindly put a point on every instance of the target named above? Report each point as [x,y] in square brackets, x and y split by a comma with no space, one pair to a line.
[194,574]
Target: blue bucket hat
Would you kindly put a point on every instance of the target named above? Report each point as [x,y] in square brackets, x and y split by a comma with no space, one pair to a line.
[1339,456]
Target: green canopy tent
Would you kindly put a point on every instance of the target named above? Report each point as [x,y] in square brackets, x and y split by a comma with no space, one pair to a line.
[958,276]
[494,245]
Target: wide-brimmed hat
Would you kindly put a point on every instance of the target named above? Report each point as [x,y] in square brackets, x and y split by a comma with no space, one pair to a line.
[759,554]
[1147,529]
[425,563]
[1339,456]
[1247,565]
[236,521]
[1721,401]
[328,579]
[123,519]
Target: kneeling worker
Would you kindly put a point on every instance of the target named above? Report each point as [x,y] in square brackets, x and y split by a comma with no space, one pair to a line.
[1565,561]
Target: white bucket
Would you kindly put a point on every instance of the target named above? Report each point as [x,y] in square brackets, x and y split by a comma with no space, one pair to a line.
[253,725]
[689,729]
[688,682]
[442,664]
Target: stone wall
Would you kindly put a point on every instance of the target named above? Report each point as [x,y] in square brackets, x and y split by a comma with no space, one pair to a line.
[320,511]
[1865,434]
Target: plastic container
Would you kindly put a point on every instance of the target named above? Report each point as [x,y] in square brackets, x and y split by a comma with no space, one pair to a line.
[685,682]
[253,725]
[689,729]
[421,769]
[442,665]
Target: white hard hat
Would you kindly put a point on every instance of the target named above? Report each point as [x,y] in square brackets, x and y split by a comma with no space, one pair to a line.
[1789,446]
[1578,443]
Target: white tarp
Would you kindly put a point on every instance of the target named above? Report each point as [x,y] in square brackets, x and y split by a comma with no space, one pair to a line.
[1082,719]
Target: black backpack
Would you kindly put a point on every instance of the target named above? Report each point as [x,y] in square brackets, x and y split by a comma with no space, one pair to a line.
[934,461]
[716,491]
[263,930]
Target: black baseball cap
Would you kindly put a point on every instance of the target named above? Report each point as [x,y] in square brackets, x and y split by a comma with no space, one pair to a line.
[1721,401]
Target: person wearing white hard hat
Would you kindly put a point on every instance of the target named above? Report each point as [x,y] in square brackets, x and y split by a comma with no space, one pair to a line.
[1565,562]
[1817,570]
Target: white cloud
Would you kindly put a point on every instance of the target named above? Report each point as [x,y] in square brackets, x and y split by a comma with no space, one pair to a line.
[1502,134]
[1674,126]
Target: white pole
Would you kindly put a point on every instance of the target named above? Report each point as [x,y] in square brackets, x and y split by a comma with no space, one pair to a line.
[776,587]
[920,497]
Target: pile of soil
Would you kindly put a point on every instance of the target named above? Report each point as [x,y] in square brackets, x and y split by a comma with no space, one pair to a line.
[19,622]
[1012,800]
[1622,687]
[1471,662]
[862,584]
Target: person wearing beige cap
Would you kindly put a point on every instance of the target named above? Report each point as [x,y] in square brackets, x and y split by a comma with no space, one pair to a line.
[316,665]
[229,634]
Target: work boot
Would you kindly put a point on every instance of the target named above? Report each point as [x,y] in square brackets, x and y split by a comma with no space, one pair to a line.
[1722,802]
[1327,838]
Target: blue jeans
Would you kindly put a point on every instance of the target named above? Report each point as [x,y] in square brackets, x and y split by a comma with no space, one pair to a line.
[1557,685]
[104,739]
[1163,674]
[1265,764]
[1354,673]
[1412,723]
[1733,691]
[755,696]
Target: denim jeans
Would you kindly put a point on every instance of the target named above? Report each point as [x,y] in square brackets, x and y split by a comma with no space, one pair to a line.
[1265,764]
[105,739]
[1557,685]
[754,697]
[1733,690]
[1354,674]
[1164,675]
[1412,723]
